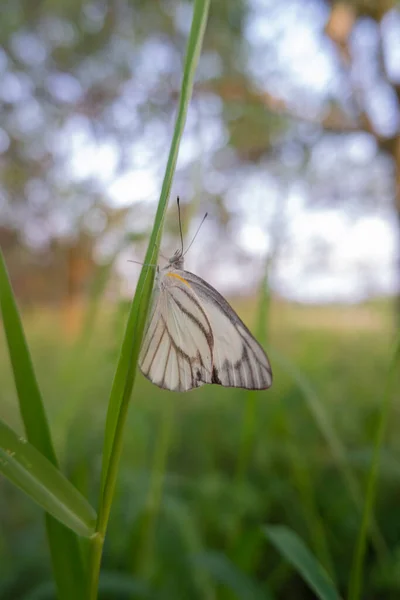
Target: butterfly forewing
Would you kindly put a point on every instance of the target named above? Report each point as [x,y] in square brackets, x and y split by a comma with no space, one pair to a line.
[238,359]
[176,352]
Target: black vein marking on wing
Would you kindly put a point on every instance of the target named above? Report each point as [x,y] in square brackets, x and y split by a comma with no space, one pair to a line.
[205,376]
[246,343]
[175,346]
[214,377]
[207,334]
[198,357]
[191,375]
[155,351]
[179,352]
[246,359]
[148,337]
[238,366]
[227,366]
[166,364]
[191,361]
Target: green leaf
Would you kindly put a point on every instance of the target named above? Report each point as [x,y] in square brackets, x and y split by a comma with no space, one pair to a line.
[64,545]
[30,401]
[298,555]
[29,470]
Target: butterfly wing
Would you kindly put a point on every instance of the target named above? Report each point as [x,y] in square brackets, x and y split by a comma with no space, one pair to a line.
[194,337]
[238,359]
[176,352]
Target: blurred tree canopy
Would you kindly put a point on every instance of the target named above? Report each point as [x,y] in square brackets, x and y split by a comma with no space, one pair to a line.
[88,90]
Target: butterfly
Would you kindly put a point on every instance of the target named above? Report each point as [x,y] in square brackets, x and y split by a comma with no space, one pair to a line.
[193,336]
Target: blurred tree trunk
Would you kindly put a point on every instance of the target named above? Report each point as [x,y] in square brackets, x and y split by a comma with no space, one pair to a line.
[80,266]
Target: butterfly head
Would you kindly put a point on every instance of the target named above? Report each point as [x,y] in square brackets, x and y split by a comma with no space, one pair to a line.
[176,260]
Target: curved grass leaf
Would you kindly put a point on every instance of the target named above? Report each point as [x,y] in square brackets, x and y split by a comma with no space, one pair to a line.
[30,400]
[297,554]
[64,545]
[29,470]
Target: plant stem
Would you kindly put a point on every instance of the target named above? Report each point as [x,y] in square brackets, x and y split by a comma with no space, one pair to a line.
[126,369]
[96,550]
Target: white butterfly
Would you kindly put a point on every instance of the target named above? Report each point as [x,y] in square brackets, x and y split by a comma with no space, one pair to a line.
[194,336]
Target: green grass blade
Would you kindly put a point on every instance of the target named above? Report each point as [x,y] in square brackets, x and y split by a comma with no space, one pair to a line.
[29,470]
[38,433]
[125,374]
[359,554]
[298,555]
[30,400]
[127,363]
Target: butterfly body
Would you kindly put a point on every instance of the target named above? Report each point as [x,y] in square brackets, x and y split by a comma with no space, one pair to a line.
[194,337]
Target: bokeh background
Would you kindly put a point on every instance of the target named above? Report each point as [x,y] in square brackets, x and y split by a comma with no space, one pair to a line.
[292,146]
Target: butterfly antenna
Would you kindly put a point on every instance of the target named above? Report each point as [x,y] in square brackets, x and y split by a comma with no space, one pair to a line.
[195,235]
[180,224]
[143,264]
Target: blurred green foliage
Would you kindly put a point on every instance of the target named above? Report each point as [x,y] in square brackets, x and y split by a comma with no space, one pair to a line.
[208,540]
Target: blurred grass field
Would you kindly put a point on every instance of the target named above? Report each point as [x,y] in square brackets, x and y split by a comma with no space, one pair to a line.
[192,527]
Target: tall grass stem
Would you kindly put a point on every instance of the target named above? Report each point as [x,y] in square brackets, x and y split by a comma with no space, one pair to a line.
[127,363]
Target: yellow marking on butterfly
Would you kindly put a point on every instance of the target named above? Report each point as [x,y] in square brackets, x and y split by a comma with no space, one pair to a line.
[178,277]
